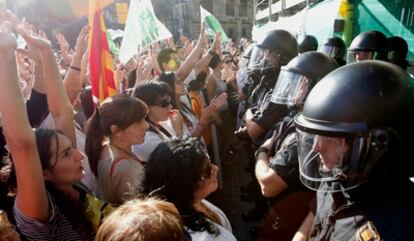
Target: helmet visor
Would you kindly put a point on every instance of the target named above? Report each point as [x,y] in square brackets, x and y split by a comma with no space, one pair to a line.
[291,88]
[331,51]
[356,56]
[256,58]
[332,161]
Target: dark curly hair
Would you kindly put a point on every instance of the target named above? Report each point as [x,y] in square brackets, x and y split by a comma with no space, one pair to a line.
[173,172]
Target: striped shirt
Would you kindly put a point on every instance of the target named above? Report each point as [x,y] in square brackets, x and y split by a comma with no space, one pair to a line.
[57,228]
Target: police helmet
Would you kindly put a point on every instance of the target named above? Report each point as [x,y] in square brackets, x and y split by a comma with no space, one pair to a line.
[298,77]
[370,45]
[256,58]
[356,126]
[282,43]
[334,47]
[308,43]
[397,51]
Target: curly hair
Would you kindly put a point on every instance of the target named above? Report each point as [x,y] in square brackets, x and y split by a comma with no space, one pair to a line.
[164,177]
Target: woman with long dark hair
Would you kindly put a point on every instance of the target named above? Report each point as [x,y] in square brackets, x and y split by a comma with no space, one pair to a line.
[50,203]
[187,190]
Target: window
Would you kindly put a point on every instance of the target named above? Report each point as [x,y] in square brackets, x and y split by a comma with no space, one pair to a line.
[243,8]
[230,7]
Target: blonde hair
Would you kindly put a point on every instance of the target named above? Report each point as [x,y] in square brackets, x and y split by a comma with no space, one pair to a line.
[147,219]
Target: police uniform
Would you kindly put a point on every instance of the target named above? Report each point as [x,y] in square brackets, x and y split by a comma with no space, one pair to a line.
[289,208]
[383,212]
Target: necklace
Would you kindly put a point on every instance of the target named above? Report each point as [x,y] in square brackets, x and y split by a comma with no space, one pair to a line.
[130,154]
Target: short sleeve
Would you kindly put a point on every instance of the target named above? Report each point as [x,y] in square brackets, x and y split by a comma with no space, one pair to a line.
[33,229]
[285,161]
[269,114]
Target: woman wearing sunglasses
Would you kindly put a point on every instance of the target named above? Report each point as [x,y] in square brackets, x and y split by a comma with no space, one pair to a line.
[164,122]
[164,177]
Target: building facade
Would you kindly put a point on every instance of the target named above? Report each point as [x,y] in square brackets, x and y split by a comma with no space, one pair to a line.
[182,17]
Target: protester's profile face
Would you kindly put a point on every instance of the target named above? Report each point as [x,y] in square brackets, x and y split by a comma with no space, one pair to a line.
[331,151]
[135,133]
[208,183]
[66,162]
[161,110]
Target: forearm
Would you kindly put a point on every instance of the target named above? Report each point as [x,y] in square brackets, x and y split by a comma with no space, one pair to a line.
[253,129]
[12,106]
[305,228]
[189,63]
[39,80]
[57,99]
[202,64]
[271,184]
[72,81]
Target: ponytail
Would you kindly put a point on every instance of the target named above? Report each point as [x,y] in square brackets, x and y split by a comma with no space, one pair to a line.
[120,110]
[93,142]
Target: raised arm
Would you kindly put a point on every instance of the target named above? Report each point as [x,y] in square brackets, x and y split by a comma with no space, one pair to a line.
[57,99]
[189,63]
[39,84]
[31,193]
[202,64]
[73,79]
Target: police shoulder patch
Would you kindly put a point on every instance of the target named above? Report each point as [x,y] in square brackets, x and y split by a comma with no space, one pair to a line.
[367,232]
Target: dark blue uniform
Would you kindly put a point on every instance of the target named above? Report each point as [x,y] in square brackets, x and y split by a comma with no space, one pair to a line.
[381,210]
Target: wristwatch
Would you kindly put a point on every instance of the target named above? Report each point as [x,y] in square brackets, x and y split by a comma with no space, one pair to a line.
[260,150]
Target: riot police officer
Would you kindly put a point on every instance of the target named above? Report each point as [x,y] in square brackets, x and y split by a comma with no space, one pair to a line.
[308,43]
[335,47]
[278,173]
[354,136]
[278,47]
[370,45]
[397,51]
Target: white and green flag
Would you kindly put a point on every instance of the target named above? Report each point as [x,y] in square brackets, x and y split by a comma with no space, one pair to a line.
[212,24]
[142,28]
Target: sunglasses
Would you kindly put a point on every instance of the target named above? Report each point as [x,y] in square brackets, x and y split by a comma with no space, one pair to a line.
[164,103]
[228,61]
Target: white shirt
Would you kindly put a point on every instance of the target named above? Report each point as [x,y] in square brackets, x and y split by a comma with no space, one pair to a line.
[225,229]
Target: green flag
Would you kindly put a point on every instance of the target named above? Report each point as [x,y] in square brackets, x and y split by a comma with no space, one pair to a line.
[212,24]
[142,28]
[111,44]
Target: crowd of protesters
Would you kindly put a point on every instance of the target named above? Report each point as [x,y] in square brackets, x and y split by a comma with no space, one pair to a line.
[140,164]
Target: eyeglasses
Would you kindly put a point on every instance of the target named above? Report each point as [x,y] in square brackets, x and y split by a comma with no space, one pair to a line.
[164,103]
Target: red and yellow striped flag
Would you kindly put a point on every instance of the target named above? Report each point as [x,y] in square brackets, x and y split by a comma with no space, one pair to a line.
[100,59]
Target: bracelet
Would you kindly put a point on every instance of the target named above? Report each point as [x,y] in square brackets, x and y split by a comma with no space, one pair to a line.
[74,68]
[260,150]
